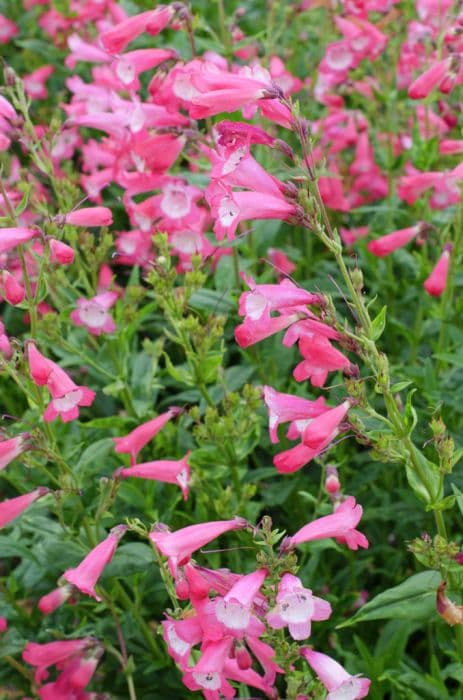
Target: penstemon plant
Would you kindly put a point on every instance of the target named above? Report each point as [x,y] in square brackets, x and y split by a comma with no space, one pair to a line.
[184,189]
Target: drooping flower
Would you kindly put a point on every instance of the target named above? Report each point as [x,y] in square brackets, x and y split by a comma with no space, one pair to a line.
[76,660]
[13,507]
[51,601]
[136,440]
[85,576]
[436,283]
[12,448]
[339,684]
[60,252]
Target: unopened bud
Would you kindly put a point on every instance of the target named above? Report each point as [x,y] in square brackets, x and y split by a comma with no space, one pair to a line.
[9,76]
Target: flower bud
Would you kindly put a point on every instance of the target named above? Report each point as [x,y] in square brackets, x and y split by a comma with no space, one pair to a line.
[449,611]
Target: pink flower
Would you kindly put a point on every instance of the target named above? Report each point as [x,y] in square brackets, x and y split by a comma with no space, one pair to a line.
[76,659]
[44,655]
[135,441]
[180,545]
[229,208]
[265,298]
[39,366]
[234,610]
[3,625]
[207,674]
[322,429]
[12,448]
[13,291]
[283,408]
[437,281]
[296,607]
[293,459]
[427,81]
[85,576]
[8,29]
[129,66]
[66,396]
[7,110]
[5,346]
[340,524]
[34,83]
[388,244]
[250,332]
[12,237]
[116,39]
[168,471]
[339,684]
[283,265]
[13,507]
[60,252]
[93,313]
[181,636]
[53,600]
[320,358]
[89,216]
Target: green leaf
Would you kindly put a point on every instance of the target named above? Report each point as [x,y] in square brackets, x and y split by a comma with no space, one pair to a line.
[94,458]
[11,643]
[414,599]
[409,413]
[378,324]
[133,557]
[432,474]
[443,504]
[400,386]
[458,497]
[179,373]
[210,300]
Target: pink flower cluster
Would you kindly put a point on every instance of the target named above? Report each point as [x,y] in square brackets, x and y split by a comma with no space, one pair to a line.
[230,612]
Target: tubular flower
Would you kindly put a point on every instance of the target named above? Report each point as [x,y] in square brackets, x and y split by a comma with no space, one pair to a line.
[51,601]
[116,39]
[283,408]
[13,507]
[12,448]
[89,216]
[392,241]
[135,441]
[340,524]
[436,283]
[12,237]
[169,471]
[339,684]
[76,660]
[85,576]
[180,545]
